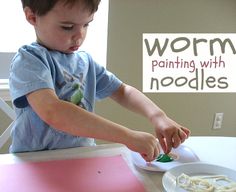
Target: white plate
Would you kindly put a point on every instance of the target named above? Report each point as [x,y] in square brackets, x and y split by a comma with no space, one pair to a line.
[193,169]
[185,154]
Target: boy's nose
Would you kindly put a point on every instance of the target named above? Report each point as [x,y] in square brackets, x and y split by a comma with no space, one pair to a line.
[78,37]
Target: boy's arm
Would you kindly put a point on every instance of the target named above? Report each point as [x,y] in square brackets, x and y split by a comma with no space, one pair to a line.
[169,133]
[74,120]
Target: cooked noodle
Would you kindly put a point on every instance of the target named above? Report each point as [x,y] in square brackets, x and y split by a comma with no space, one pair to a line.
[214,183]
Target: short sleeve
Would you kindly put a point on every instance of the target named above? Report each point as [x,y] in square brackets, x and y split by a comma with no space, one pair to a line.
[29,72]
[106,82]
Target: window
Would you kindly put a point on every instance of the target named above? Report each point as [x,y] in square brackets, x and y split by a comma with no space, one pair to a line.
[16,31]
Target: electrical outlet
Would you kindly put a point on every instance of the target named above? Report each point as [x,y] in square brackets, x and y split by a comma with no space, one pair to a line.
[218,120]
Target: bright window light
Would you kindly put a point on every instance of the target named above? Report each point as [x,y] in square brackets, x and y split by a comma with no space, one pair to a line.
[16,31]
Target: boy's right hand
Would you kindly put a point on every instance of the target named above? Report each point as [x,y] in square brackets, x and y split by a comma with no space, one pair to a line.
[145,144]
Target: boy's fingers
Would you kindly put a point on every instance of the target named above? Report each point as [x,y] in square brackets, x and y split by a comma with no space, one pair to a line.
[162,142]
[176,139]
[152,155]
[146,157]
[156,152]
[169,144]
[186,131]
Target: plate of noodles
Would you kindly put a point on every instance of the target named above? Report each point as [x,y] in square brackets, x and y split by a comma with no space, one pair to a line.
[201,177]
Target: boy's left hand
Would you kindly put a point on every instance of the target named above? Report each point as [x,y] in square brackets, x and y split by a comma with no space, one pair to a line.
[169,133]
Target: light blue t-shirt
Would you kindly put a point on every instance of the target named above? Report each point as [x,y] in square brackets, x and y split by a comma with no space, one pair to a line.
[75,78]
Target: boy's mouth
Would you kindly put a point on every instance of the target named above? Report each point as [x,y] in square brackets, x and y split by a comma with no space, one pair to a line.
[74,48]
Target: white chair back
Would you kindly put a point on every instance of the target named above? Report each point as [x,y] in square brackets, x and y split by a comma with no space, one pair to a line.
[10,113]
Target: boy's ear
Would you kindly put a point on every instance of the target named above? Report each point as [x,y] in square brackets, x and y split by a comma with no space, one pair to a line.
[30,16]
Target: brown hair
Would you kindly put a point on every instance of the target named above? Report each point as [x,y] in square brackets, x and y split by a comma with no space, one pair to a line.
[41,7]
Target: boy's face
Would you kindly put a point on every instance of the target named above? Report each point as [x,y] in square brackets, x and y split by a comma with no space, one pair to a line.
[63,28]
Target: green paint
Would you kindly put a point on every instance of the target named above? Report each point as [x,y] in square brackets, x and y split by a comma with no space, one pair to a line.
[77,96]
[164,158]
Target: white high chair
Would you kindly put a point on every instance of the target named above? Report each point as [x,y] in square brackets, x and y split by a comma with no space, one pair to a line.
[10,113]
[5,60]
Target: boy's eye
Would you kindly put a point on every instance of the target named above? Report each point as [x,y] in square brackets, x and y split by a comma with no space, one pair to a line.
[86,25]
[67,28]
